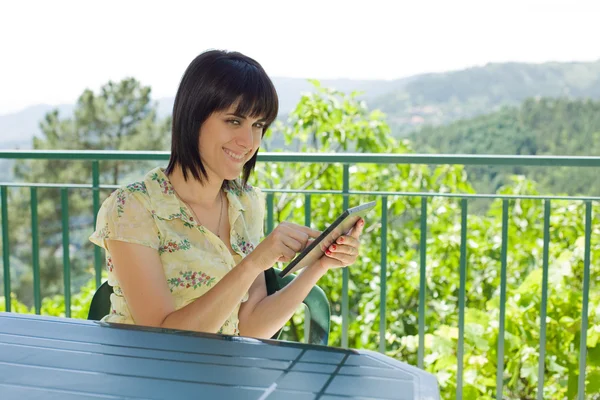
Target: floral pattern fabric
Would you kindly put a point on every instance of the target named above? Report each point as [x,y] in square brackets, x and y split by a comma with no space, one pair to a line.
[193,258]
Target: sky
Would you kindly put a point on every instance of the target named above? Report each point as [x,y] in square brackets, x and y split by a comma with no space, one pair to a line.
[50,51]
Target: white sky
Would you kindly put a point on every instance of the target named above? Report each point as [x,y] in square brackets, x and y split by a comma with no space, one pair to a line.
[50,51]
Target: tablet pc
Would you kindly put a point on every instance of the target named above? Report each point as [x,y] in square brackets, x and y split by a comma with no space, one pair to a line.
[317,248]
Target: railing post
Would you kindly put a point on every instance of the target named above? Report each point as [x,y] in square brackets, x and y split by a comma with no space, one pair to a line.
[307,211]
[383,274]
[270,222]
[96,207]
[64,200]
[544,306]
[5,247]
[345,273]
[462,299]
[35,252]
[586,299]
[422,282]
[501,328]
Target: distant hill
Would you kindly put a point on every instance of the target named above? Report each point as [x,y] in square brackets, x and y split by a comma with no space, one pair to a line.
[441,98]
[543,126]
[17,129]
[410,103]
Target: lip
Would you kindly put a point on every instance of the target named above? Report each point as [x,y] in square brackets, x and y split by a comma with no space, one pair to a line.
[240,156]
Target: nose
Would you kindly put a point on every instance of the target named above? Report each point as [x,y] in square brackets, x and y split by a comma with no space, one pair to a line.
[245,138]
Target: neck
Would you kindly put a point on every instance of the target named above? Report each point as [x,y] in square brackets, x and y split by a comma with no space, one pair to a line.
[205,194]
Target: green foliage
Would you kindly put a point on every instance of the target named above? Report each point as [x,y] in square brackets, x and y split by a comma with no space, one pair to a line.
[80,303]
[522,307]
[15,305]
[55,306]
[328,121]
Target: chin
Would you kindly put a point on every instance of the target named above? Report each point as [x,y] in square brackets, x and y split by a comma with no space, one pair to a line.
[232,176]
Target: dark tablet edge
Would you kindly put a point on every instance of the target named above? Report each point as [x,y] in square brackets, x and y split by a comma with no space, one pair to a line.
[323,235]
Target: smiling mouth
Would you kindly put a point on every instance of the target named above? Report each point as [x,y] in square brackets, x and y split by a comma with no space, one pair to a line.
[235,156]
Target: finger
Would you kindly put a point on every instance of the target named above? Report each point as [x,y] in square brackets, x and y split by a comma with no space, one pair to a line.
[299,236]
[344,259]
[333,263]
[287,255]
[343,249]
[313,233]
[291,227]
[308,243]
[357,228]
[348,240]
[290,254]
[292,243]
[298,232]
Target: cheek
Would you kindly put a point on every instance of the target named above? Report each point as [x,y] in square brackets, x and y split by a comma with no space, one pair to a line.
[257,139]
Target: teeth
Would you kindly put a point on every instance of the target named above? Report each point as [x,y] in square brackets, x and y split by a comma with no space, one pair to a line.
[233,155]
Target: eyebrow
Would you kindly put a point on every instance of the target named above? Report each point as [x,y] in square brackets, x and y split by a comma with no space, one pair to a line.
[243,117]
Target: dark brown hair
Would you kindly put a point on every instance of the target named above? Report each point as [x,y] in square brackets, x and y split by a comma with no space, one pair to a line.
[213,82]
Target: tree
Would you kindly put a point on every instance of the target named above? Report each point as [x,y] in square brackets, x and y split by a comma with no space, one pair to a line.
[120,117]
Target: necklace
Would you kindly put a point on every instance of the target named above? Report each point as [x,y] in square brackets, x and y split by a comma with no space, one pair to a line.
[198,219]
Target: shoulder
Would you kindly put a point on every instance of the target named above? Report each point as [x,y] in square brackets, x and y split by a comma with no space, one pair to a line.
[153,188]
[247,194]
[125,216]
[135,190]
[125,199]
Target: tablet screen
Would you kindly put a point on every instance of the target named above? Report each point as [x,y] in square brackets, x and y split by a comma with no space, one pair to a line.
[317,248]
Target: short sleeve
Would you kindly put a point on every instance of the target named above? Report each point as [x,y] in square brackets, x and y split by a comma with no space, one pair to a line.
[125,216]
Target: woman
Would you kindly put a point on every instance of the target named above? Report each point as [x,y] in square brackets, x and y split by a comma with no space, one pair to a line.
[182,246]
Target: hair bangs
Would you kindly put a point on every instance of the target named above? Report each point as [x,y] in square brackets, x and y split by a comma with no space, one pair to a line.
[252,95]
[258,98]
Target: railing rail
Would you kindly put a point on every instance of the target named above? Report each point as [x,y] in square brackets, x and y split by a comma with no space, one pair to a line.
[343,158]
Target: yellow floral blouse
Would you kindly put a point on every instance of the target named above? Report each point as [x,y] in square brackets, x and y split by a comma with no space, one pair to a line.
[193,258]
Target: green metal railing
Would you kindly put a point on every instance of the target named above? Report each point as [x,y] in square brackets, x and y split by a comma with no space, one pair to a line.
[346,160]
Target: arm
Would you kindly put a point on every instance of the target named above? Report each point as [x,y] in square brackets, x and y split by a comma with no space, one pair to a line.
[150,301]
[262,316]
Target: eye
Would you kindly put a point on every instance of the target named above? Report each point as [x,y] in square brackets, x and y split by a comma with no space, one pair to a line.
[234,121]
[259,125]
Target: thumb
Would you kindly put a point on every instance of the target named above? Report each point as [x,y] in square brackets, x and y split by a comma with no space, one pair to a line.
[357,228]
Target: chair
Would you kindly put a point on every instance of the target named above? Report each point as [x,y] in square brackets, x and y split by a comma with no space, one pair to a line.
[316,302]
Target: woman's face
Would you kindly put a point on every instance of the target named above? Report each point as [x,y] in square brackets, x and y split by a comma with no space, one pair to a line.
[227,142]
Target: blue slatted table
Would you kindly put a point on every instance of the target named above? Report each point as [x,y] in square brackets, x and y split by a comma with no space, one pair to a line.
[59,358]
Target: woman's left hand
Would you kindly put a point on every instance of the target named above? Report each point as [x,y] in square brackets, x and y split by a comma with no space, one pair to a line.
[344,251]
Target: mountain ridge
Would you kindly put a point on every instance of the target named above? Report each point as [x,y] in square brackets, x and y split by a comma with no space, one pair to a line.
[410,103]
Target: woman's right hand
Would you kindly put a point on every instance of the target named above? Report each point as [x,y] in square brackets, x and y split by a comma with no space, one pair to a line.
[282,245]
